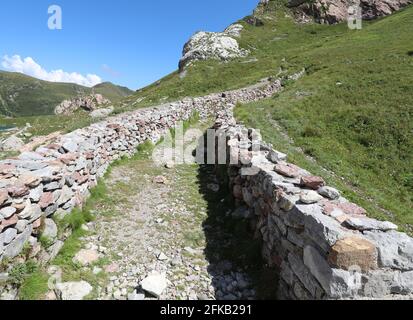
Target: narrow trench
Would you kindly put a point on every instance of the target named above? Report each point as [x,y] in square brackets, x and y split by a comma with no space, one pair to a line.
[231,245]
[231,239]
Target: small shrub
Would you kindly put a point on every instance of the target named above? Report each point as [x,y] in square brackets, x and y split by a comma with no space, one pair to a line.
[34,286]
[20,272]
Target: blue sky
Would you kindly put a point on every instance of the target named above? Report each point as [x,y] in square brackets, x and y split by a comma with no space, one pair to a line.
[128,42]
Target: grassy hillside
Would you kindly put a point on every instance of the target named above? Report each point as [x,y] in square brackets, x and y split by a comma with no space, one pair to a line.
[21,95]
[112,92]
[352,112]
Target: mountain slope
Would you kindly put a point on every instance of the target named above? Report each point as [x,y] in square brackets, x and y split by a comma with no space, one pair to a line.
[352,111]
[21,95]
[112,92]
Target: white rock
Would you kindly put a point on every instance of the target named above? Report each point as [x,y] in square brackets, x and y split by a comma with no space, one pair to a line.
[50,229]
[162,257]
[134,296]
[329,193]
[101,113]
[73,290]
[7,212]
[155,284]
[12,144]
[9,235]
[86,257]
[367,224]
[310,197]
[211,45]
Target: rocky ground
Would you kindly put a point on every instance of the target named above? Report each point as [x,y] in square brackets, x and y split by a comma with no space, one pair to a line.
[166,234]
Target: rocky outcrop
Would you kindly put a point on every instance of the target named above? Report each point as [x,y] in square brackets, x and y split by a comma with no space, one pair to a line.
[328,11]
[88,103]
[322,245]
[213,45]
[13,143]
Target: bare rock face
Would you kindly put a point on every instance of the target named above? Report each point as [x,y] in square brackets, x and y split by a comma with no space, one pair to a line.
[213,45]
[88,103]
[335,11]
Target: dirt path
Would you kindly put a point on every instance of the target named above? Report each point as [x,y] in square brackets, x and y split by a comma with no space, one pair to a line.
[176,222]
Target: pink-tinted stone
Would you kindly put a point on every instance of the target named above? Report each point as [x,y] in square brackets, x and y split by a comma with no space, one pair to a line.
[9,222]
[114,126]
[159,180]
[287,170]
[18,191]
[4,195]
[348,208]
[37,224]
[112,268]
[6,169]
[68,158]
[89,155]
[46,200]
[352,209]
[312,182]
[330,207]
[79,178]
[53,146]
[30,180]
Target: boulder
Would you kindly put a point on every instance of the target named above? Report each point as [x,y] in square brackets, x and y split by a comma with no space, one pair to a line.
[101,113]
[312,182]
[155,284]
[212,45]
[329,192]
[310,197]
[88,103]
[333,11]
[73,290]
[395,249]
[50,229]
[12,143]
[16,246]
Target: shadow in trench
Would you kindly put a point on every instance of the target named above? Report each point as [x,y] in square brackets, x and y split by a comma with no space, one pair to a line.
[235,262]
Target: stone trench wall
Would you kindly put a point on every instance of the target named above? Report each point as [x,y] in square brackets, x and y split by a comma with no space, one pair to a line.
[321,245]
[37,187]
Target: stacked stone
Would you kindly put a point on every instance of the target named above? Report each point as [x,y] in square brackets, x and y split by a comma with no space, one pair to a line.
[322,245]
[36,186]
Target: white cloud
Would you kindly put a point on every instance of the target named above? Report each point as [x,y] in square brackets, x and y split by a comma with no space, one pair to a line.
[31,68]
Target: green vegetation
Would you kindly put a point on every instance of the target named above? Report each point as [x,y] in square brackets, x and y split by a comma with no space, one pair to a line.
[35,286]
[352,111]
[112,92]
[21,95]
[31,280]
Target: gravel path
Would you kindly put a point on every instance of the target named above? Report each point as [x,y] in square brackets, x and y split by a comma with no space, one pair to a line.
[160,223]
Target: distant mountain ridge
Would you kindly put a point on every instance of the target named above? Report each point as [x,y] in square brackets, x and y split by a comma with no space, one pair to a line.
[22,95]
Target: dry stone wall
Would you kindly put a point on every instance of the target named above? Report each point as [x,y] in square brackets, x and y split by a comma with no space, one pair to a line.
[36,187]
[322,245]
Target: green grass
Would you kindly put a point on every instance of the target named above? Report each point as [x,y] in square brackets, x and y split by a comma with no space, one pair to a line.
[352,111]
[31,280]
[35,286]
[21,95]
